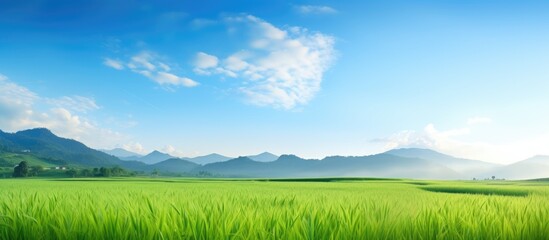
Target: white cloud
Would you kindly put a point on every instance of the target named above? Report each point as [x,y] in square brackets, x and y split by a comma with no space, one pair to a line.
[235,62]
[312,9]
[15,95]
[430,137]
[164,66]
[21,108]
[282,68]
[169,149]
[165,78]
[134,147]
[142,61]
[113,64]
[449,142]
[204,61]
[75,103]
[478,120]
[148,64]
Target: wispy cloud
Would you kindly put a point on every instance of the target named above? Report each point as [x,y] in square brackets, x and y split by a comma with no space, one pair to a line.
[75,103]
[149,65]
[15,96]
[315,9]
[116,64]
[282,68]
[134,147]
[169,149]
[21,108]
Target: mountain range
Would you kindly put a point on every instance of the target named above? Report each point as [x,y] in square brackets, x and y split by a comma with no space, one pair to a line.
[121,153]
[156,157]
[42,145]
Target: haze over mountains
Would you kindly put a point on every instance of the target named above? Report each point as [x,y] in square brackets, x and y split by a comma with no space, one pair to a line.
[156,157]
[398,163]
[121,153]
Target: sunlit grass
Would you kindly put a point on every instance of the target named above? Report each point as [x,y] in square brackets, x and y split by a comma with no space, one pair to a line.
[213,209]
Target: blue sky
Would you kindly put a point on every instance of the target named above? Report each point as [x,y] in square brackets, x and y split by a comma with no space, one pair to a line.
[312,78]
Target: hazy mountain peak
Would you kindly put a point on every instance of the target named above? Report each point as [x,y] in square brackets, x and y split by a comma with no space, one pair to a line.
[214,155]
[289,157]
[415,151]
[468,167]
[121,153]
[155,152]
[264,157]
[210,158]
[539,159]
[155,157]
[241,158]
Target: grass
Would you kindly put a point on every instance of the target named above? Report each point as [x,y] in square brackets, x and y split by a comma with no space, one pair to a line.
[340,179]
[143,208]
[15,158]
[484,190]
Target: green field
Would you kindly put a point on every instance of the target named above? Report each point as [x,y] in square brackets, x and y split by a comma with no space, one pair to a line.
[133,208]
[12,159]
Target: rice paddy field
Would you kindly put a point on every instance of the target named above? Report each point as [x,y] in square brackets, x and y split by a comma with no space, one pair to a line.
[135,208]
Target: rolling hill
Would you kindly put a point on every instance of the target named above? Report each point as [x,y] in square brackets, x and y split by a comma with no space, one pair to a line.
[264,157]
[10,159]
[466,167]
[380,165]
[175,165]
[210,158]
[534,167]
[238,167]
[42,143]
[153,157]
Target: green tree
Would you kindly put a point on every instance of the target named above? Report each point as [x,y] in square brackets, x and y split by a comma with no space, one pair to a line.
[21,170]
[86,172]
[117,171]
[71,172]
[35,170]
[105,172]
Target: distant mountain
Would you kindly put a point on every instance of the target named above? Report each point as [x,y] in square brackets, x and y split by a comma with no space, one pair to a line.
[153,157]
[380,165]
[210,158]
[42,143]
[41,147]
[264,157]
[531,168]
[468,168]
[174,165]
[387,165]
[293,166]
[121,153]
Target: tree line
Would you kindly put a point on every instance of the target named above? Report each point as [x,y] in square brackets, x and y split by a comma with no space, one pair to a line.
[24,170]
